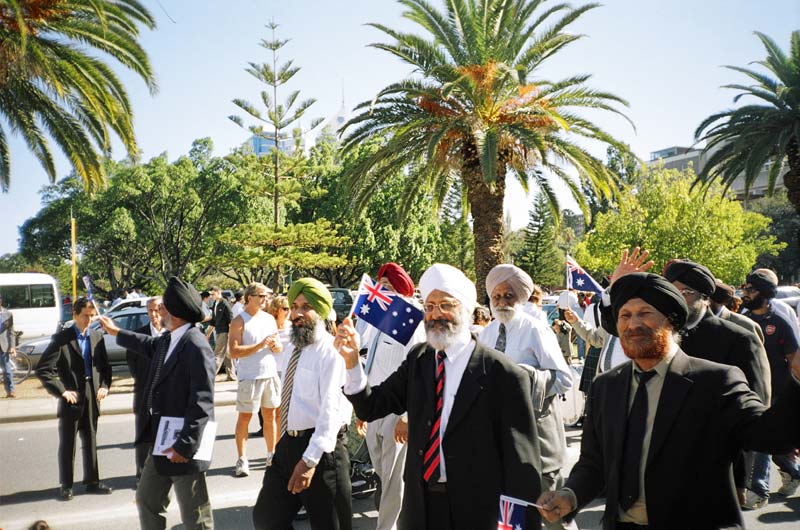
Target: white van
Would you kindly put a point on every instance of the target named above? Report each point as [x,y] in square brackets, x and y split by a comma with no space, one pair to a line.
[34,300]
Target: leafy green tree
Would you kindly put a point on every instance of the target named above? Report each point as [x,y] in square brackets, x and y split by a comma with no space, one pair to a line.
[540,257]
[279,118]
[478,107]
[786,229]
[51,86]
[374,235]
[625,165]
[742,141]
[665,216]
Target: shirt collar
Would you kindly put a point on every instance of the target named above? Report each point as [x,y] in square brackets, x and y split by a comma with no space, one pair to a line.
[78,333]
[178,333]
[460,346]
[154,332]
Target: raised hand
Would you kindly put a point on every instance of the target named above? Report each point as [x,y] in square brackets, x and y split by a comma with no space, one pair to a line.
[628,264]
[346,343]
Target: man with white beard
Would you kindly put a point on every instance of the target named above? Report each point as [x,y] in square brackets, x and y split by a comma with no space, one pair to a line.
[471,430]
[532,345]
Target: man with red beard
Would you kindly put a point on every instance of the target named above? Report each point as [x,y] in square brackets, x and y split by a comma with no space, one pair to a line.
[661,432]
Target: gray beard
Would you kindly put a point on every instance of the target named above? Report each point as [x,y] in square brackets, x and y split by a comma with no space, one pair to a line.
[304,335]
[441,333]
[504,314]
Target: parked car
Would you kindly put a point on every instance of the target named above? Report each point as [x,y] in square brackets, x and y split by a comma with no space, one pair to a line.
[133,302]
[342,302]
[130,318]
[789,294]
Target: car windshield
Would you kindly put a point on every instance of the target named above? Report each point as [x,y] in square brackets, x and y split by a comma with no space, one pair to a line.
[341,297]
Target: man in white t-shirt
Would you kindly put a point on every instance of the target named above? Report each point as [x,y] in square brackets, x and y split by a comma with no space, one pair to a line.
[252,342]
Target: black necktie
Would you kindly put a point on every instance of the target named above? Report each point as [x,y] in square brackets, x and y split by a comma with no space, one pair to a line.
[634,440]
[500,345]
[162,345]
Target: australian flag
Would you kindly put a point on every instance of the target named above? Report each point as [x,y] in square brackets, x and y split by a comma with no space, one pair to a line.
[386,310]
[578,278]
[512,514]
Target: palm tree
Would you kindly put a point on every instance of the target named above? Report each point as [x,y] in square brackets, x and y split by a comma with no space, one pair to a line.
[50,86]
[476,110]
[744,140]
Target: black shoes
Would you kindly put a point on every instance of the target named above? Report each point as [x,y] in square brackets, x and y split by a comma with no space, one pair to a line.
[98,489]
[65,494]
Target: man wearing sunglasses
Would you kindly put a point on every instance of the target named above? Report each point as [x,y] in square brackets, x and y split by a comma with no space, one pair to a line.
[253,342]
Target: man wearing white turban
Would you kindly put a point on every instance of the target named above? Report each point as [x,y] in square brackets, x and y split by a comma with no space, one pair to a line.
[471,430]
[532,345]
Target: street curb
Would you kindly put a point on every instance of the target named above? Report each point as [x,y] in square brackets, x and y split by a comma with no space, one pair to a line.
[112,412]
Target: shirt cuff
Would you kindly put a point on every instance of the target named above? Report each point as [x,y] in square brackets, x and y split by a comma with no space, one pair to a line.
[313,455]
[356,380]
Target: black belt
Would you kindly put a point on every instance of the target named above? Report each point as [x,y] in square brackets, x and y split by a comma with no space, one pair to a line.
[630,526]
[309,432]
[436,487]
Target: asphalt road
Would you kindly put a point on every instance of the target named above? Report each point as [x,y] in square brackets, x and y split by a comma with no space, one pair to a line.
[29,483]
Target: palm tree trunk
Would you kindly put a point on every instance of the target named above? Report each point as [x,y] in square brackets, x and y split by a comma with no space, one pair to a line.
[486,204]
[792,177]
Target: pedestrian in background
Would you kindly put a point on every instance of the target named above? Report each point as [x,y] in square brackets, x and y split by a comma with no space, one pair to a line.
[220,326]
[8,348]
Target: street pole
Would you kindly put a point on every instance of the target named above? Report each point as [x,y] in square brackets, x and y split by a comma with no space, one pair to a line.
[74,228]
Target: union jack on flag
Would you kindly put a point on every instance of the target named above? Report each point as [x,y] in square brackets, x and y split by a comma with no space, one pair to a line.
[386,310]
[578,278]
[512,514]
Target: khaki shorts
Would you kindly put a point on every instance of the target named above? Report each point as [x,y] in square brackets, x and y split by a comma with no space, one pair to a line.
[258,393]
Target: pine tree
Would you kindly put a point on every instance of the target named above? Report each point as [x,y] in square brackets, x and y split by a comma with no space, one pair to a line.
[540,257]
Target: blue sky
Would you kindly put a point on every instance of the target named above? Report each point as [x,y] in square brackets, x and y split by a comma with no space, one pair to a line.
[663,56]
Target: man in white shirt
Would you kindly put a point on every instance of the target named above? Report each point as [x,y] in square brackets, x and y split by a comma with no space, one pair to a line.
[311,466]
[386,437]
[534,305]
[252,342]
[529,343]
[238,305]
[471,430]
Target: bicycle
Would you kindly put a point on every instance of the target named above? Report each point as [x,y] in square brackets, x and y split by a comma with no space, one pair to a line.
[20,363]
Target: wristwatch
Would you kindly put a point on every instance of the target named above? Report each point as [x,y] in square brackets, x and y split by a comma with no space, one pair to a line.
[309,463]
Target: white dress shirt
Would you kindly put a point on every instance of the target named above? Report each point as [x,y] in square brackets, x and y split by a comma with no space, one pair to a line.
[536,312]
[317,401]
[530,342]
[387,354]
[155,332]
[458,356]
[175,337]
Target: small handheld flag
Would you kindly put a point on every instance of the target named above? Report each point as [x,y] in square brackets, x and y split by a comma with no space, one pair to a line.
[578,278]
[512,513]
[386,310]
[87,281]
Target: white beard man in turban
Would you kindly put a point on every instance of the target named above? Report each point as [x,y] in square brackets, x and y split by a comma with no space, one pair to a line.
[532,345]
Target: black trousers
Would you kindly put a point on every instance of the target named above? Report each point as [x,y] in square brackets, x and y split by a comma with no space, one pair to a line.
[327,500]
[84,424]
[438,515]
[142,449]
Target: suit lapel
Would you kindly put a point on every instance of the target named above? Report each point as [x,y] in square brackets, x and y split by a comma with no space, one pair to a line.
[617,412]
[170,363]
[676,387]
[469,388]
[427,367]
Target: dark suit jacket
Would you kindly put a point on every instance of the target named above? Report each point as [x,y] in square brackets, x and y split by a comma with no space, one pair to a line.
[705,415]
[139,365]
[61,368]
[714,339]
[185,388]
[490,443]
[743,321]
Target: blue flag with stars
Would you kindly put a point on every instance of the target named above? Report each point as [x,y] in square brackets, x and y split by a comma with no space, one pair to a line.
[512,513]
[579,279]
[386,310]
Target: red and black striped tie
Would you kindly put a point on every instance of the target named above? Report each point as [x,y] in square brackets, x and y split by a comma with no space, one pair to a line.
[430,464]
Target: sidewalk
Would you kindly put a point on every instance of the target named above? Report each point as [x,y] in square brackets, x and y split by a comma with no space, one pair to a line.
[45,408]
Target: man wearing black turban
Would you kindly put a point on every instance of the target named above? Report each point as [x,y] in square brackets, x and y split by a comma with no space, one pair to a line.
[708,337]
[680,418]
[179,383]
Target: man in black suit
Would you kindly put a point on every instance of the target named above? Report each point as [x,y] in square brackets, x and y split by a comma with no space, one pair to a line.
[471,430]
[75,369]
[139,366]
[661,432]
[180,383]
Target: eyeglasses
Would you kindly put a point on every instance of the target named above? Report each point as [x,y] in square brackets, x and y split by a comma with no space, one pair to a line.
[444,307]
[262,295]
[688,292]
[749,289]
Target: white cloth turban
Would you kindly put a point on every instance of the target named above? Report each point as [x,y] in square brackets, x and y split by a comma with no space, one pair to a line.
[448,279]
[517,278]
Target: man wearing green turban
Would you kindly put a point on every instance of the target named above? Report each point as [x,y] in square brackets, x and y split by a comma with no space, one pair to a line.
[311,466]
[316,294]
